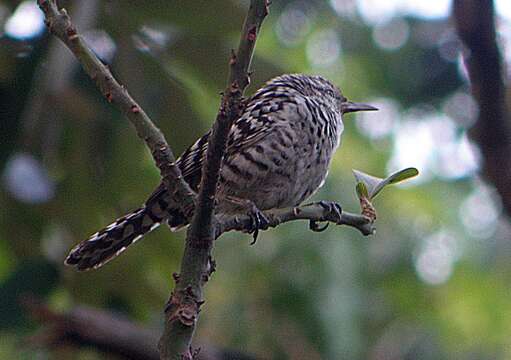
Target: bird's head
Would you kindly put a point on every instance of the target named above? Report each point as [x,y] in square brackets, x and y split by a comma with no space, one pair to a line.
[328,92]
[320,89]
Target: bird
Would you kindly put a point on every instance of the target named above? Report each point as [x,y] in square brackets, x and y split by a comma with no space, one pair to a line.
[278,154]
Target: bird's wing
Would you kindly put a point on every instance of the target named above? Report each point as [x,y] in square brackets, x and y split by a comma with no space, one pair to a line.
[260,116]
[190,162]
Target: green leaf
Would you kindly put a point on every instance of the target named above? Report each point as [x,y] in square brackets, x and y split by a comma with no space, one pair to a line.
[369,186]
[402,175]
[370,182]
[362,190]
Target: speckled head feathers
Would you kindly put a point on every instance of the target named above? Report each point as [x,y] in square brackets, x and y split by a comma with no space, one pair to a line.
[313,86]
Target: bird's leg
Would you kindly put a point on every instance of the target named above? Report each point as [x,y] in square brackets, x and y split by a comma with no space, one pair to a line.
[258,220]
[331,207]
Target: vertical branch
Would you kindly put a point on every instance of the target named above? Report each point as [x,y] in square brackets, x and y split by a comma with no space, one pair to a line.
[475,23]
[184,304]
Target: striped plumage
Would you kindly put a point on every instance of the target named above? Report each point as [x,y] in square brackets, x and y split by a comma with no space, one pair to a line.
[277,155]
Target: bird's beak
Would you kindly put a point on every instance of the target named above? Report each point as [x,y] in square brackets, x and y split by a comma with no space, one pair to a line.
[349,106]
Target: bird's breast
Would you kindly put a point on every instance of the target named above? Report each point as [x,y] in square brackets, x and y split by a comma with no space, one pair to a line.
[285,167]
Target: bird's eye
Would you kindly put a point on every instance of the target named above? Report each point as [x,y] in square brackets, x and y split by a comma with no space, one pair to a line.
[330,93]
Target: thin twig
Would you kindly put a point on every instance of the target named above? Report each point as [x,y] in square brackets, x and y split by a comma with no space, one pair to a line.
[311,212]
[196,267]
[59,24]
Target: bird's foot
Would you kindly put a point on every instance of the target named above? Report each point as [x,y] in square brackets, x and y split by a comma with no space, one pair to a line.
[332,208]
[313,225]
[258,221]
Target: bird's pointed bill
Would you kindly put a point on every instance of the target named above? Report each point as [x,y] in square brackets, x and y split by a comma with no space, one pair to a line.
[349,106]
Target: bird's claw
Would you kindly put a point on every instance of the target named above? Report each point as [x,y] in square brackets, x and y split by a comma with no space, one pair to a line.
[331,207]
[258,222]
[313,225]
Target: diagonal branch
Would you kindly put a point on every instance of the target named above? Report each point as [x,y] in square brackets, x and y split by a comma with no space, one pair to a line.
[59,23]
[184,304]
[475,23]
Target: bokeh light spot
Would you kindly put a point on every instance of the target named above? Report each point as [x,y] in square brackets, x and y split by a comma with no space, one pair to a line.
[346,8]
[413,146]
[294,24]
[425,9]
[480,212]
[449,46]
[27,180]
[504,41]
[457,159]
[323,48]
[377,127]
[391,35]
[462,108]
[101,43]
[376,11]
[26,22]
[437,254]
[503,8]
[156,37]
[433,143]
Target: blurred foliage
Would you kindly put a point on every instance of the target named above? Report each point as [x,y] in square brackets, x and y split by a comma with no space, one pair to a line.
[433,283]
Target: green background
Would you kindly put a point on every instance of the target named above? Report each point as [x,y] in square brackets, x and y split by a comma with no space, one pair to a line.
[433,283]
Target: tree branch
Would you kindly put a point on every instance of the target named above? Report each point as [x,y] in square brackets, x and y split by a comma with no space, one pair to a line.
[311,212]
[475,24]
[59,24]
[184,304]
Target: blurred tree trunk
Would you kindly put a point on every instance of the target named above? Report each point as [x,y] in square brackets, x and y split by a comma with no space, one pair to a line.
[475,23]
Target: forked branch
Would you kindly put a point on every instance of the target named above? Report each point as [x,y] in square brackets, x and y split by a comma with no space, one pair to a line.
[196,267]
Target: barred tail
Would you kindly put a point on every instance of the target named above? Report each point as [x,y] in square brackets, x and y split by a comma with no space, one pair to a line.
[106,244]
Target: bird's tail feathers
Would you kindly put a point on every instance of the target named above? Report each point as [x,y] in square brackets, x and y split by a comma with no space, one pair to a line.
[109,242]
